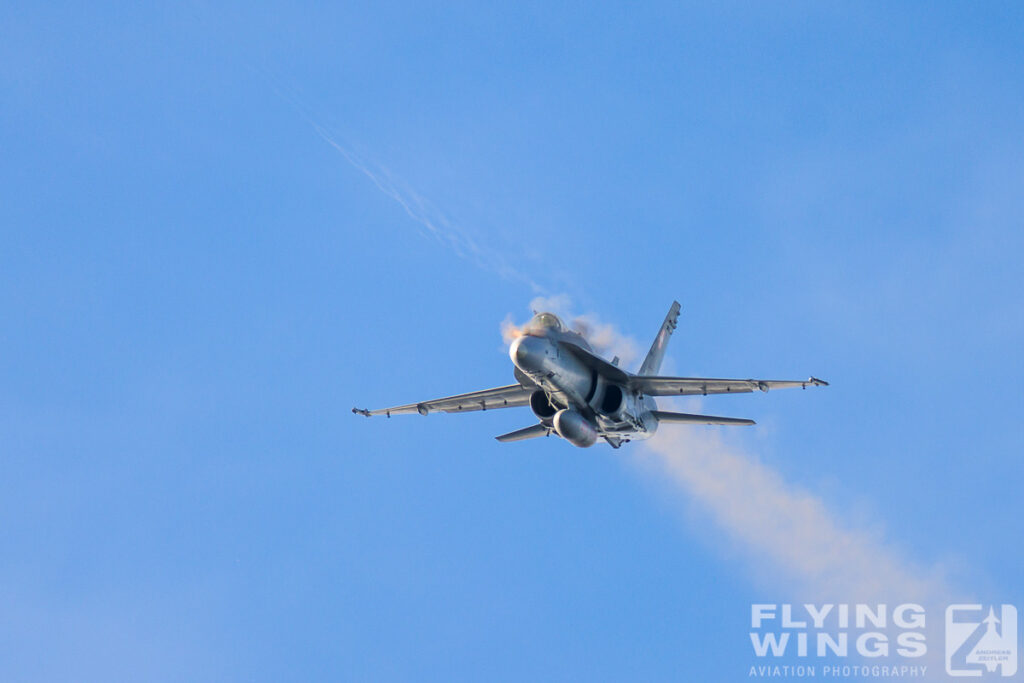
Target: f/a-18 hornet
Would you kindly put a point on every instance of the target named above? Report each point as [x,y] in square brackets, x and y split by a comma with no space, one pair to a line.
[582,397]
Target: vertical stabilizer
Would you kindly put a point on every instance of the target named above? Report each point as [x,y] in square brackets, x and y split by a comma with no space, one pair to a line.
[652,363]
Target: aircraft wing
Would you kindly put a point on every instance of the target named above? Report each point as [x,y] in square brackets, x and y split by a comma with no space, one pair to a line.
[688,386]
[488,399]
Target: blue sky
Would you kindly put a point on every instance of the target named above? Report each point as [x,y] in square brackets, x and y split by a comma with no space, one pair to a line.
[197,288]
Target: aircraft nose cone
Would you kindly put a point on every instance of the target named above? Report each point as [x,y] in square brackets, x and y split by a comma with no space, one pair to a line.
[528,353]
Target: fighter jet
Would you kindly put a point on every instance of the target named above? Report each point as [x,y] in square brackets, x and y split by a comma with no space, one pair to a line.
[581,397]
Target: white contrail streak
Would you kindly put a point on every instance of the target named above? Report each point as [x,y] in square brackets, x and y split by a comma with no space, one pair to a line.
[436,223]
[416,207]
[790,538]
[782,527]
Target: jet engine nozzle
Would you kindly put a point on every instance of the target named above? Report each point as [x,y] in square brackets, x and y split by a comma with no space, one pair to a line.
[541,407]
[528,353]
[575,428]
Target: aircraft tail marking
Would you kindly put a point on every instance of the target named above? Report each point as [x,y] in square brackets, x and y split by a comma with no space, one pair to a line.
[652,363]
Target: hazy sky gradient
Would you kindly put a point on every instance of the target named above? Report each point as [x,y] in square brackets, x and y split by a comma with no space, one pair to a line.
[196,288]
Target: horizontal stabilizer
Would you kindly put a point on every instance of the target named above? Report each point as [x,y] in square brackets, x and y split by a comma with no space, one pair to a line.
[524,433]
[686,418]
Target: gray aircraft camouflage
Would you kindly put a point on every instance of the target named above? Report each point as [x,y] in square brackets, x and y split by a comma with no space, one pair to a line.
[582,397]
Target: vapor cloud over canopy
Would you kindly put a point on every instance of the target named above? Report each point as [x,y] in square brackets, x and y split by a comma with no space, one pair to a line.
[604,337]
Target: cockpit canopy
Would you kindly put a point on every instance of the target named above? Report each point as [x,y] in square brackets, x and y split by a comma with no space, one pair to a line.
[543,322]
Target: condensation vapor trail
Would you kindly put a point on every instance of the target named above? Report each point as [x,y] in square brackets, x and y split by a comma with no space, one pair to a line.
[791,539]
[437,225]
[416,207]
[787,530]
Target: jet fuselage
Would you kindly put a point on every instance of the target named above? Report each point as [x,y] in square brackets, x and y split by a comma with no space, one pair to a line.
[580,403]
